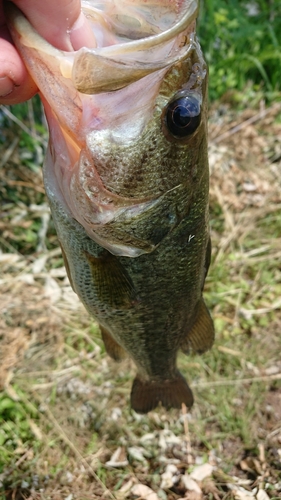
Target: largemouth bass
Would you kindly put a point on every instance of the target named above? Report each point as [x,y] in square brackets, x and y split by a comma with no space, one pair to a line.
[126,175]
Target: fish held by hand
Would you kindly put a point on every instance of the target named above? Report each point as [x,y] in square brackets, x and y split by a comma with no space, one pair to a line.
[126,175]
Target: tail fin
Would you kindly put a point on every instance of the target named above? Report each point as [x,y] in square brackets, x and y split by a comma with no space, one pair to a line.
[146,395]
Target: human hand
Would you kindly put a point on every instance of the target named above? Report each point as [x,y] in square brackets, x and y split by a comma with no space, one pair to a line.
[60,22]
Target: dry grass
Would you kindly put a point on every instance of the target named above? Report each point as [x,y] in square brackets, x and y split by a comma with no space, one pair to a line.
[67,430]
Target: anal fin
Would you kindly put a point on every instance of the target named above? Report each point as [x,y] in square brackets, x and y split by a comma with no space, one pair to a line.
[171,393]
[202,334]
[113,349]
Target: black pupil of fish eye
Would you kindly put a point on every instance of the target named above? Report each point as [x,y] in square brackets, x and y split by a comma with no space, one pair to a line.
[183,116]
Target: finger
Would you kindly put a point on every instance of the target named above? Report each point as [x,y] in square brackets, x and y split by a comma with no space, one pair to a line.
[60,22]
[15,83]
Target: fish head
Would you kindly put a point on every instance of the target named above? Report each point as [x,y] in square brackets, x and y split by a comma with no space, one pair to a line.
[127,117]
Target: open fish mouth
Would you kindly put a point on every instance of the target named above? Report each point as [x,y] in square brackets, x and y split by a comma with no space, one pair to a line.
[104,106]
[133,39]
[140,48]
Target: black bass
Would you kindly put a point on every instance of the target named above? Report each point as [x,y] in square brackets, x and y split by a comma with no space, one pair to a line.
[126,175]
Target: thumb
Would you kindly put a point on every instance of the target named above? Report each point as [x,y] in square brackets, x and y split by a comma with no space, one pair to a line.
[60,22]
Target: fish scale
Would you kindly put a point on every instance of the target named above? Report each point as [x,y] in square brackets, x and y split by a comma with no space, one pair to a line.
[126,176]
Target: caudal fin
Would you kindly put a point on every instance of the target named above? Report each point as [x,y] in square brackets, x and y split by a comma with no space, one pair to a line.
[171,393]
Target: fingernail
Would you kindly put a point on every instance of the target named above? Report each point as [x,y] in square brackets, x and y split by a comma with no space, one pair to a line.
[81,34]
[6,86]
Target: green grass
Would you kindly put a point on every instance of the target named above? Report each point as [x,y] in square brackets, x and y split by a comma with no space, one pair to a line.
[243,50]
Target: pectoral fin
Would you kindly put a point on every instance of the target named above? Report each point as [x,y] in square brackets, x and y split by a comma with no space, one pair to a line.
[147,394]
[201,336]
[113,349]
[112,283]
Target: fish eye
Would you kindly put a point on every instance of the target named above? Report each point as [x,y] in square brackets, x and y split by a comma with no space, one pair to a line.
[183,115]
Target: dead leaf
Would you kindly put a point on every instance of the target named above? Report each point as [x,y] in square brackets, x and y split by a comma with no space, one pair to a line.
[190,484]
[192,495]
[200,472]
[262,495]
[125,490]
[210,489]
[52,290]
[144,492]
[118,459]
[240,493]
[169,477]
[137,453]
[35,429]
[251,464]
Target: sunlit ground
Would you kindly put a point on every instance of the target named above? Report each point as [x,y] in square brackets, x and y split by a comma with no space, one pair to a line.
[67,430]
